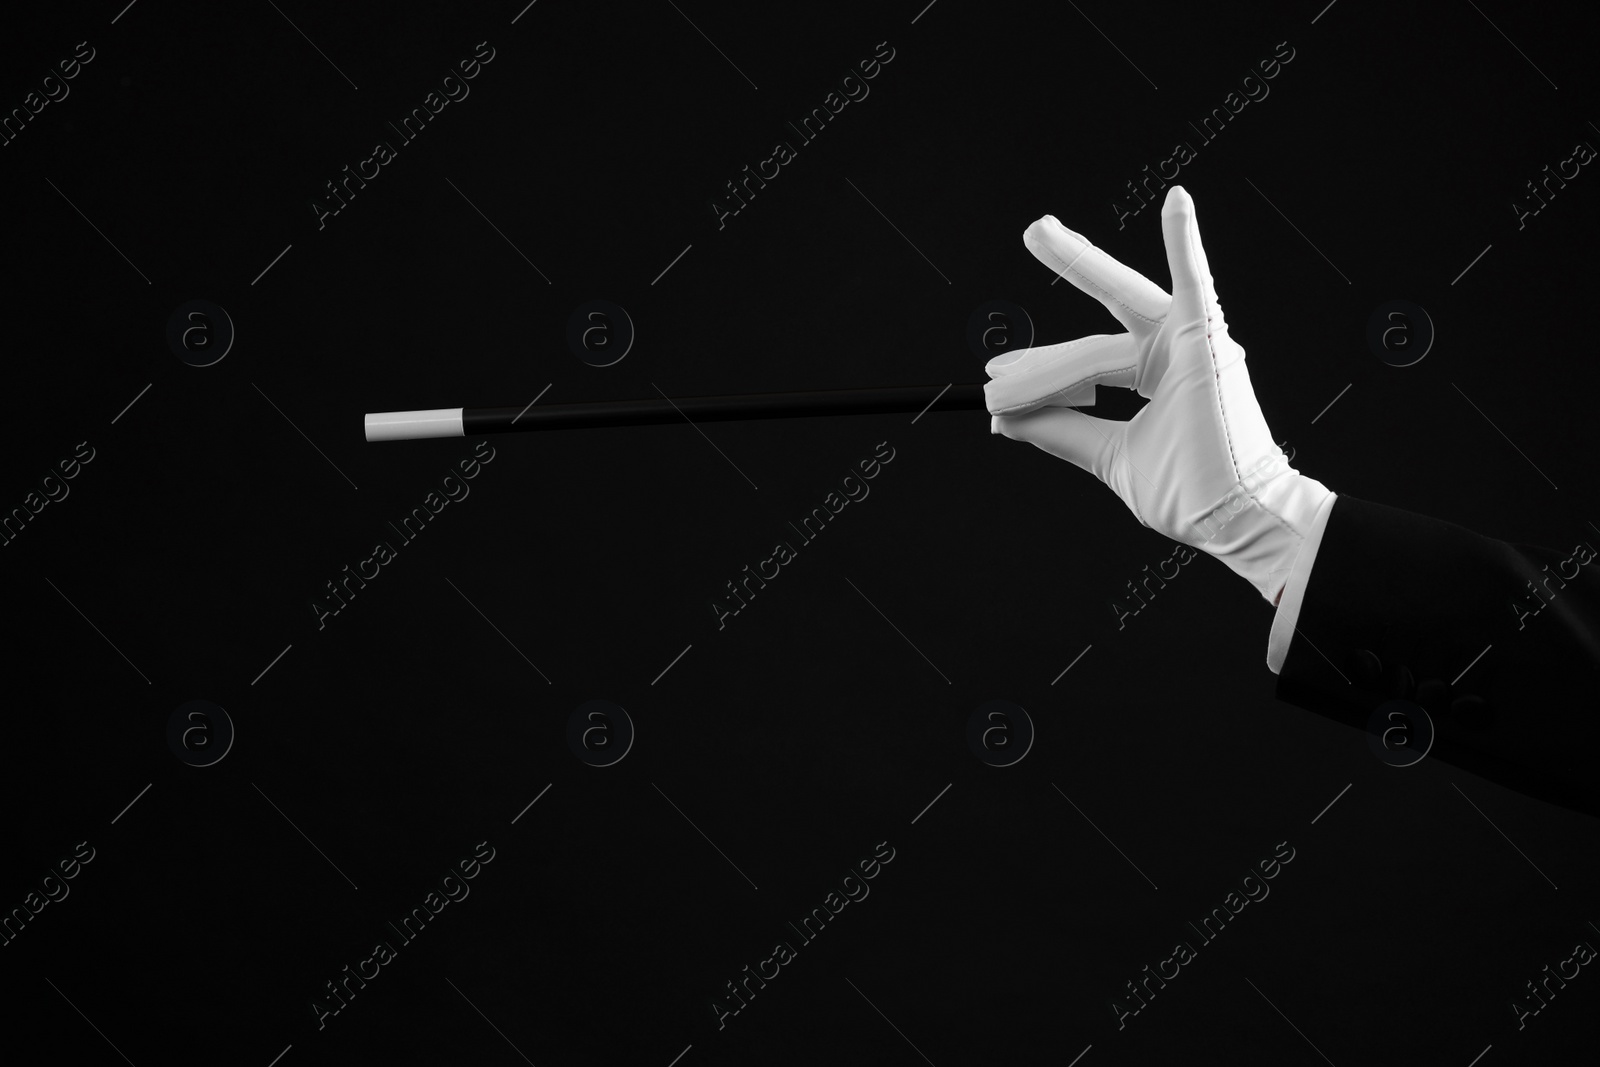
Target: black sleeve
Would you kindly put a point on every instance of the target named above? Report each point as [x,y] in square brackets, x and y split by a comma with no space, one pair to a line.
[1398,605]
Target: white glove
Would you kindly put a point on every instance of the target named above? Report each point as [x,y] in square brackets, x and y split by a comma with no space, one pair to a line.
[1197,463]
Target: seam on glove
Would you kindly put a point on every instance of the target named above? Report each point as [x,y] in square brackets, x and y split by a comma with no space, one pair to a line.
[1216,374]
[1222,414]
[1227,432]
[1283,522]
[1254,497]
[1087,248]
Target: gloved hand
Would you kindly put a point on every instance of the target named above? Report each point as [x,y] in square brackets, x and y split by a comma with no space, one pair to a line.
[1197,463]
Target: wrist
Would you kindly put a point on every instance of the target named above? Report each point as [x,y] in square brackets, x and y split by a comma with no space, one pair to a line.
[1266,525]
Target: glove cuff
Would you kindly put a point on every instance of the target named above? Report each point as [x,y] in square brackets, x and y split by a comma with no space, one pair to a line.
[1260,527]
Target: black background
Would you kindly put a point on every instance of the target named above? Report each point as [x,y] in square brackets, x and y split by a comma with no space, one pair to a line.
[375,752]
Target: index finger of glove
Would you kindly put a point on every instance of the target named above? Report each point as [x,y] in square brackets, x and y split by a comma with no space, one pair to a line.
[1136,301]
